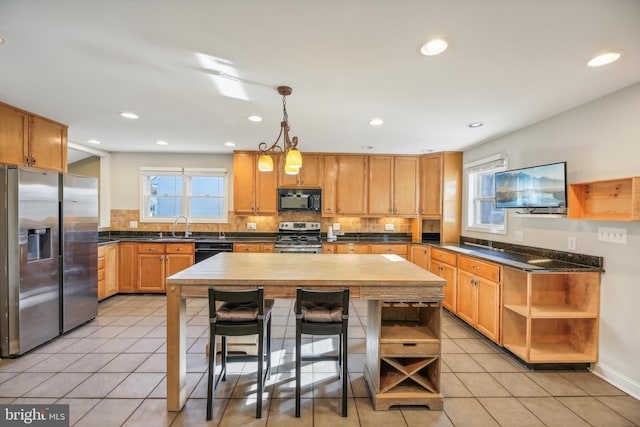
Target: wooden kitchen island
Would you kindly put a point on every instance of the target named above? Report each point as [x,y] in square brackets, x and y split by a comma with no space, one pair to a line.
[404,311]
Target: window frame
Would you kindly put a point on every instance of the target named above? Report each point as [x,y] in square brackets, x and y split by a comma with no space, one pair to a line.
[186,196]
[472,170]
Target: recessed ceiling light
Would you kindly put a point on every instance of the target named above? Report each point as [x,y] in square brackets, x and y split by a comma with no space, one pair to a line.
[93,141]
[427,150]
[2,40]
[604,59]
[376,122]
[434,47]
[129,115]
[367,147]
[230,144]
[255,118]
[475,124]
[162,143]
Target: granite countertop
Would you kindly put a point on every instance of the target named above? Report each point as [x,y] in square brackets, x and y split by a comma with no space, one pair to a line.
[534,261]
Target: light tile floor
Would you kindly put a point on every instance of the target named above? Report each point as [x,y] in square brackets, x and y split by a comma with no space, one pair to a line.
[111,372]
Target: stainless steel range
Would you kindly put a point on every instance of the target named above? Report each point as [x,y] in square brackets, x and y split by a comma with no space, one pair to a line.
[298,237]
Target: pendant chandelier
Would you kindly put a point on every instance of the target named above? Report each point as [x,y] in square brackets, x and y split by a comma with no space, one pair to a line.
[293,158]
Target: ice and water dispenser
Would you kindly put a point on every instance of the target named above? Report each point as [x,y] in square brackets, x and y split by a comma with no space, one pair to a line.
[38,244]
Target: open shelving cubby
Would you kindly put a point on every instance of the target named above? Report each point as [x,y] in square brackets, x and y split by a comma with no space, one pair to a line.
[607,200]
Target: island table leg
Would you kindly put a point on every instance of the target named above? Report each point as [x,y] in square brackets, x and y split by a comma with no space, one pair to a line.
[176,349]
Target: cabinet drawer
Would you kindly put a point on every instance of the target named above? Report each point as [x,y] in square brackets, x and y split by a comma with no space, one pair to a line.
[268,248]
[410,349]
[157,248]
[480,268]
[389,249]
[443,256]
[179,248]
[101,274]
[247,247]
[352,249]
[101,263]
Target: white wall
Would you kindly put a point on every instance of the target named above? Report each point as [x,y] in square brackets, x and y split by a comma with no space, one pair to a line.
[125,176]
[599,140]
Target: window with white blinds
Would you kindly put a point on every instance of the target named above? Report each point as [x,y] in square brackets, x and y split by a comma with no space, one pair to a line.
[482,214]
[200,194]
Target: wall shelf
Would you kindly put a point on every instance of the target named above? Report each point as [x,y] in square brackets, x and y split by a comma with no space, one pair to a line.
[608,200]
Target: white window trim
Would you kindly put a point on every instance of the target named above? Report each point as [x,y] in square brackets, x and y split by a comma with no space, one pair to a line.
[479,165]
[146,171]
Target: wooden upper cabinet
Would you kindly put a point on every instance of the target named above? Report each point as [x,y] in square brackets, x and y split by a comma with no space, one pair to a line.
[329,180]
[254,192]
[393,185]
[431,185]
[351,185]
[30,140]
[14,136]
[380,184]
[310,174]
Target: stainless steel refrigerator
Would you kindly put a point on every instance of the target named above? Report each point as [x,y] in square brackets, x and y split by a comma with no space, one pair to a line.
[29,251]
[79,260]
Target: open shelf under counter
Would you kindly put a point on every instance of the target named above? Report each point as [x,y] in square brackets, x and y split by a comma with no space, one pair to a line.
[551,311]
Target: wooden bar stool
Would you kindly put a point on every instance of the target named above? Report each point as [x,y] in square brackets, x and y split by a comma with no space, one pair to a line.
[240,313]
[322,313]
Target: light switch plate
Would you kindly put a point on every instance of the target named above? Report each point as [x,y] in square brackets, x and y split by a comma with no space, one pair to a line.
[518,235]
[388,227]
[133,224]
[612,235]
[572,243]
[336,226]
[251,226]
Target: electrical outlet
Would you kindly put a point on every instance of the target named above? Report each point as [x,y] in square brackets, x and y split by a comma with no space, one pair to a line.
[518,235]
[336,226]
[133,224]
[388,227]
[572,243]
[612,235]
[251,226]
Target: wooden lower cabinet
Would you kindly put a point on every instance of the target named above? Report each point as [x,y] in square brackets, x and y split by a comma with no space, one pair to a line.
[403,366]
[551,317]
[444,264]
[419,255]
[328,248]
[390,249]
[253,247]
[478,296]
[107,270]
[352,248]
[126,267]
[157,261]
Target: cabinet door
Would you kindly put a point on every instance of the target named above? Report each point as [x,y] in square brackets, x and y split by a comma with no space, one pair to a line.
[267,248]
[127,267]
[101,288]
[244,170]
[311,172]
[448,273]
[48,144]
[420,256]
[380,184]
[396,249]
[328,248]
[266,192]
[351,186]
[488,312]
[110,270]
[405,186]
[177,262]
[150,270]
[14,136]
[431,185]
[329,179]
[247,247]
[467,297]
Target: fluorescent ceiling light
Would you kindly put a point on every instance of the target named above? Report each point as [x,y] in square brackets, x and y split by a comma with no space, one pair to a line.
[230,144]
[129,115]
[434,47]
[376,122]
[255,118]
[93,141]
[604,59]
[162,143]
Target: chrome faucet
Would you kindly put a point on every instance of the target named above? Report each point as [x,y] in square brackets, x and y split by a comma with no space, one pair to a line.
[187,233]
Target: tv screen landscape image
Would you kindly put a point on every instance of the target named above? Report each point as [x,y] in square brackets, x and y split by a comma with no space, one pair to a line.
[542,186]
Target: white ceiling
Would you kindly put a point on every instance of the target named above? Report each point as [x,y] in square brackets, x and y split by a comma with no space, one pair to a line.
[510,63]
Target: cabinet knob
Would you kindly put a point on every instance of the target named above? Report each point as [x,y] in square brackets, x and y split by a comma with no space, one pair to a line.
[151,249]
[475,267]
[26,160]
[178,249]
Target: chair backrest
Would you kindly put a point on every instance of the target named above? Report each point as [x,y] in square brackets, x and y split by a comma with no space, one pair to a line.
[330,297]
[241,296]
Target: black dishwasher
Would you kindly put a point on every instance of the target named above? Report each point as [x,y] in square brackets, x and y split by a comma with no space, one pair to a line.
[206,249]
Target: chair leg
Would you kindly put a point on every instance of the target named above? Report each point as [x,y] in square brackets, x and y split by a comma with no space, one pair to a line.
[212,369]
[269,348]
[298,365]
[223,356]
[345,374]
[260,376]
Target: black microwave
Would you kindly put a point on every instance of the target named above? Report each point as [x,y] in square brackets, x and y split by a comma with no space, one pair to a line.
[299,199]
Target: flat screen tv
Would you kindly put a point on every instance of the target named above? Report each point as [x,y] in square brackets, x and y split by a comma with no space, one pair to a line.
[543,186]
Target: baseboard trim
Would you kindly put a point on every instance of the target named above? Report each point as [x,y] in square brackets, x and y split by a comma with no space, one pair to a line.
[617,379]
